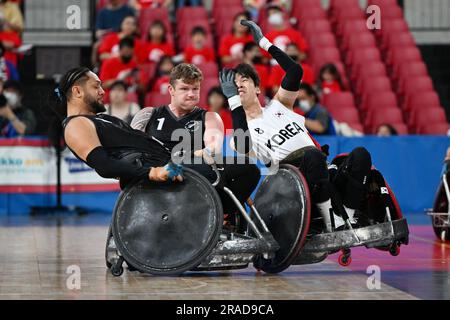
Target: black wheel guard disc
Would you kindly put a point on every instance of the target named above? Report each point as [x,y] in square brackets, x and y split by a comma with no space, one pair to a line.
[168,228]
[283,203]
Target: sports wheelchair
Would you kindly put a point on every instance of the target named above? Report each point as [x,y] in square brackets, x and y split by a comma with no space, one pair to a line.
[171,228]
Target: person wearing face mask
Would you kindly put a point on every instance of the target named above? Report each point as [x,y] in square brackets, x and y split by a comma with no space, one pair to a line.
[15,119]
[109,46]
[122,67]
[317,119]
[281,34]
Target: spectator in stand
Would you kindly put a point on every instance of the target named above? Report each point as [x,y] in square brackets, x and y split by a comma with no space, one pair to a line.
[12,15]
[123,67]
[330,79]
[157,44]
[161,79]
[119,105]
[277,73]
[386,130]
[317,119]
[253,56]
[281,33]
[217,102]
[110,17]
[109,46]
[192,3]
[10,41]
[138,5]
[198,52]
[15,118]
[7,70]
[254,6]
[231,45]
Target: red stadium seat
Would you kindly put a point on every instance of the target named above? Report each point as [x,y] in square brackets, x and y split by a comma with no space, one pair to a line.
[300,6]
[209,69]
[347,115]
[352,27]
[422,100]
[430,116]
[311,13]
[184,13]
[363,56]
[407,69]
[377,100]
[414,85]
[337,5]
[326,39]
[374,85]
[147,71]
[153,99]
[372,70]
[206,85]
[390,13]
[383,3]
[227,13]
[401,55]
[324,56]
[313,27]
[349,14]
[361,40]
[434,129]
[388,115]
[339,100]
[398,39]
[148,15]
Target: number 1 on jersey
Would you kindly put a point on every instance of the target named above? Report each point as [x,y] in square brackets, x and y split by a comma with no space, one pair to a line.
[160,123]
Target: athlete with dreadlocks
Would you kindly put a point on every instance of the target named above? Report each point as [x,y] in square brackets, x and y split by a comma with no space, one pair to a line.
[105,143]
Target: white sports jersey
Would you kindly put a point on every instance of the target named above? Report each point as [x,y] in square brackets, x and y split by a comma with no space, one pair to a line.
[278,133]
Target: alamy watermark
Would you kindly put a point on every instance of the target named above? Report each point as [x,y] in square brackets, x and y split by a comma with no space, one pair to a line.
[73,282]
[374,280]
[73,20]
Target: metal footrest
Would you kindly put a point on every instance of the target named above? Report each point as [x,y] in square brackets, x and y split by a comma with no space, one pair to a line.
[383,234]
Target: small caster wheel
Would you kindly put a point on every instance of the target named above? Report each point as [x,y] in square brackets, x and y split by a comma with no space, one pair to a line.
[394,250]
[116,270]
[345,260]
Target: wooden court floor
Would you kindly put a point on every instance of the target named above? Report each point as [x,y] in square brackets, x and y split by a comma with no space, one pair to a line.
[38,258]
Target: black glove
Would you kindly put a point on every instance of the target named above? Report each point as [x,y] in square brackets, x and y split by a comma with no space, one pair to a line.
[3,101]
[254,29]
[227,83]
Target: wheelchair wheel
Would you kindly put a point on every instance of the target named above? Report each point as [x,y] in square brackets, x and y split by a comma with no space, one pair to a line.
[440,205]
[284,204]
[167,228]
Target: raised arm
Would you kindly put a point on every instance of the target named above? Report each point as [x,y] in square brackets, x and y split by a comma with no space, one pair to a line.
[290,84]
[241,136]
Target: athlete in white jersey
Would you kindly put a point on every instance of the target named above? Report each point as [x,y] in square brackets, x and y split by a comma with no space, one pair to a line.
[277,134]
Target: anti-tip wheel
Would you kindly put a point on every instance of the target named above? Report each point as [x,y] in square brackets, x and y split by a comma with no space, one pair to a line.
[394,250]
[116,271]
[345,260]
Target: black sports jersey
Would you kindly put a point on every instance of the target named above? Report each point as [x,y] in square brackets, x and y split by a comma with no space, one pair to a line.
[167,128]
[119,139]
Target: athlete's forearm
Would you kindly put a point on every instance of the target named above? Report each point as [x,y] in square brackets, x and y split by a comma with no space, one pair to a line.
[108,167]
[241,135]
